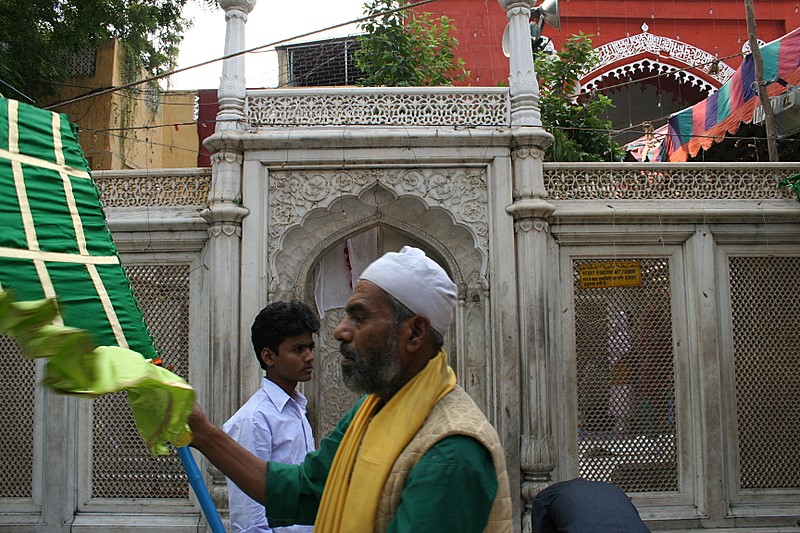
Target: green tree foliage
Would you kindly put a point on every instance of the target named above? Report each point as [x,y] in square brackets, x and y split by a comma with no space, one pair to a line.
[581,134]
[36,37]
[406,48]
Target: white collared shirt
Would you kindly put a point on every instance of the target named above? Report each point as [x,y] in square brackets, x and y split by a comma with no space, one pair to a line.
[273,426]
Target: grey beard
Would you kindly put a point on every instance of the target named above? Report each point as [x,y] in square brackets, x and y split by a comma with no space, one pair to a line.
[375,372]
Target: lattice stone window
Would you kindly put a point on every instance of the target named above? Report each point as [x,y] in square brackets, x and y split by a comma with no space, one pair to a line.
[625,380]
[17,389]
[122,466]
[81,63]
[152,95]
[765,304]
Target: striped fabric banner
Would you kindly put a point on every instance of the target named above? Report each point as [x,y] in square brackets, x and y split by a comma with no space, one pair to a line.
[55,245]
[700,126]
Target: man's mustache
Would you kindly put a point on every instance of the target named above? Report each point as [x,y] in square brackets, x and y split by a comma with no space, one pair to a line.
[347,351]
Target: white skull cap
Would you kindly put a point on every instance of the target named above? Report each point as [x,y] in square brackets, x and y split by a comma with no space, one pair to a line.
[418,282]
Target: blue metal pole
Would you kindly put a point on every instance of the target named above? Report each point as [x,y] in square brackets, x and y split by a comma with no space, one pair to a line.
[200,490]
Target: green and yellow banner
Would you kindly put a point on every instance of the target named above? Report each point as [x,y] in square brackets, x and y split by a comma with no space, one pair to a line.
[64,294]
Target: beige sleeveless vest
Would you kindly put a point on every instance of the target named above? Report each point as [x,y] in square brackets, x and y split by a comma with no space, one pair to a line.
[455,414]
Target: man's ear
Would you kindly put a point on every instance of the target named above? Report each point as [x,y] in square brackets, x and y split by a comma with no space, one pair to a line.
[268,356]
[418,330]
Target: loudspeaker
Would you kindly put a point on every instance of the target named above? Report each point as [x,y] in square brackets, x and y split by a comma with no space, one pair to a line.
[547,12]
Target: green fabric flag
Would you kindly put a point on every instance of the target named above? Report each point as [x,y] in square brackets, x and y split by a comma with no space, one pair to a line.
[75,304]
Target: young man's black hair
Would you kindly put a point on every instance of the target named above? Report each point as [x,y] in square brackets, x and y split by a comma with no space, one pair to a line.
[279,321]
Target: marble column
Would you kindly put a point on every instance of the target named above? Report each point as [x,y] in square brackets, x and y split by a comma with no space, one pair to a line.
[531,211]
[223,250]
[232,89]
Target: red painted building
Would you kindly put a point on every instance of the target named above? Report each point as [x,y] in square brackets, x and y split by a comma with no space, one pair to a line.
[656,57]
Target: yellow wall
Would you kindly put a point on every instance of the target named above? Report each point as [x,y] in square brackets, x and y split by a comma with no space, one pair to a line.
[181,143]
[119,129]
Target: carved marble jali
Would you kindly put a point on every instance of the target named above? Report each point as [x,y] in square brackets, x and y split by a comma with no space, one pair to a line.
[665,181]
[167,187]
[380,106]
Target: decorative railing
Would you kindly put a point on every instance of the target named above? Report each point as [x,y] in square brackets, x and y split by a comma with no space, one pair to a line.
[563,181]
[154,188]
[379,106]
[667,181]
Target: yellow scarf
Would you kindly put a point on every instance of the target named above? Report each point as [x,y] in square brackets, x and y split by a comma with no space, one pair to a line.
[371,445]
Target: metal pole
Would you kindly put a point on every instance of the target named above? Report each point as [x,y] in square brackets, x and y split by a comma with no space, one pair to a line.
[200,490]
[769,116]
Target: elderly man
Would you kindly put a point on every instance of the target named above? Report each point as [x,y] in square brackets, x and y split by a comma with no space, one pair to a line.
[415,454]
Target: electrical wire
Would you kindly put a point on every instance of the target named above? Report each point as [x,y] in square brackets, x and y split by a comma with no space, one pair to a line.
[134,139]
[271,47]
[17,91]
[107,90]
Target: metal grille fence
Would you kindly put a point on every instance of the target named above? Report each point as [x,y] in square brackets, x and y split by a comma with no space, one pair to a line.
[326,63]
[625,375]
[17,388]
[122,467]
[765,303]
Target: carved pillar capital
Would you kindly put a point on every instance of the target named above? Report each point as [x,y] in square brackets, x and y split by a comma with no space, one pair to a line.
[529,224]
[225,196]
[225,215]
[537,460]
[225,212]
[527,156]
[227,156]
[537,456]
[529,141]
[513,5]
[246,6]
[225,222]
[535,152]
[531,208]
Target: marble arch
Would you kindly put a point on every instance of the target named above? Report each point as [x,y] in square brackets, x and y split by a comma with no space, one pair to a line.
[402,230]
[448,207]
[417,206]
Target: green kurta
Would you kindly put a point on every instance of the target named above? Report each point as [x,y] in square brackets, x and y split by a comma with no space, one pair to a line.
[451,488]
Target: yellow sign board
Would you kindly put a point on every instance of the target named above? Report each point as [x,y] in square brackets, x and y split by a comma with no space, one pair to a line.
[610,274]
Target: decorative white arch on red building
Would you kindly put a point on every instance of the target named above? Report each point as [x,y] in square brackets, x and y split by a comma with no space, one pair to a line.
[644,53]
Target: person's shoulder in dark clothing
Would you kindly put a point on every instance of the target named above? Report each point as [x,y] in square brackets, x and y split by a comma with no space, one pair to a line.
[583,506]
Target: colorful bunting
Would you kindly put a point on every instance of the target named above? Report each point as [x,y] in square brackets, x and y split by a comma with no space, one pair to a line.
[707,122]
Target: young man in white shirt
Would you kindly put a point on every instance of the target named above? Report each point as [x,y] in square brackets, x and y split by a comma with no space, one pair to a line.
[272,424]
